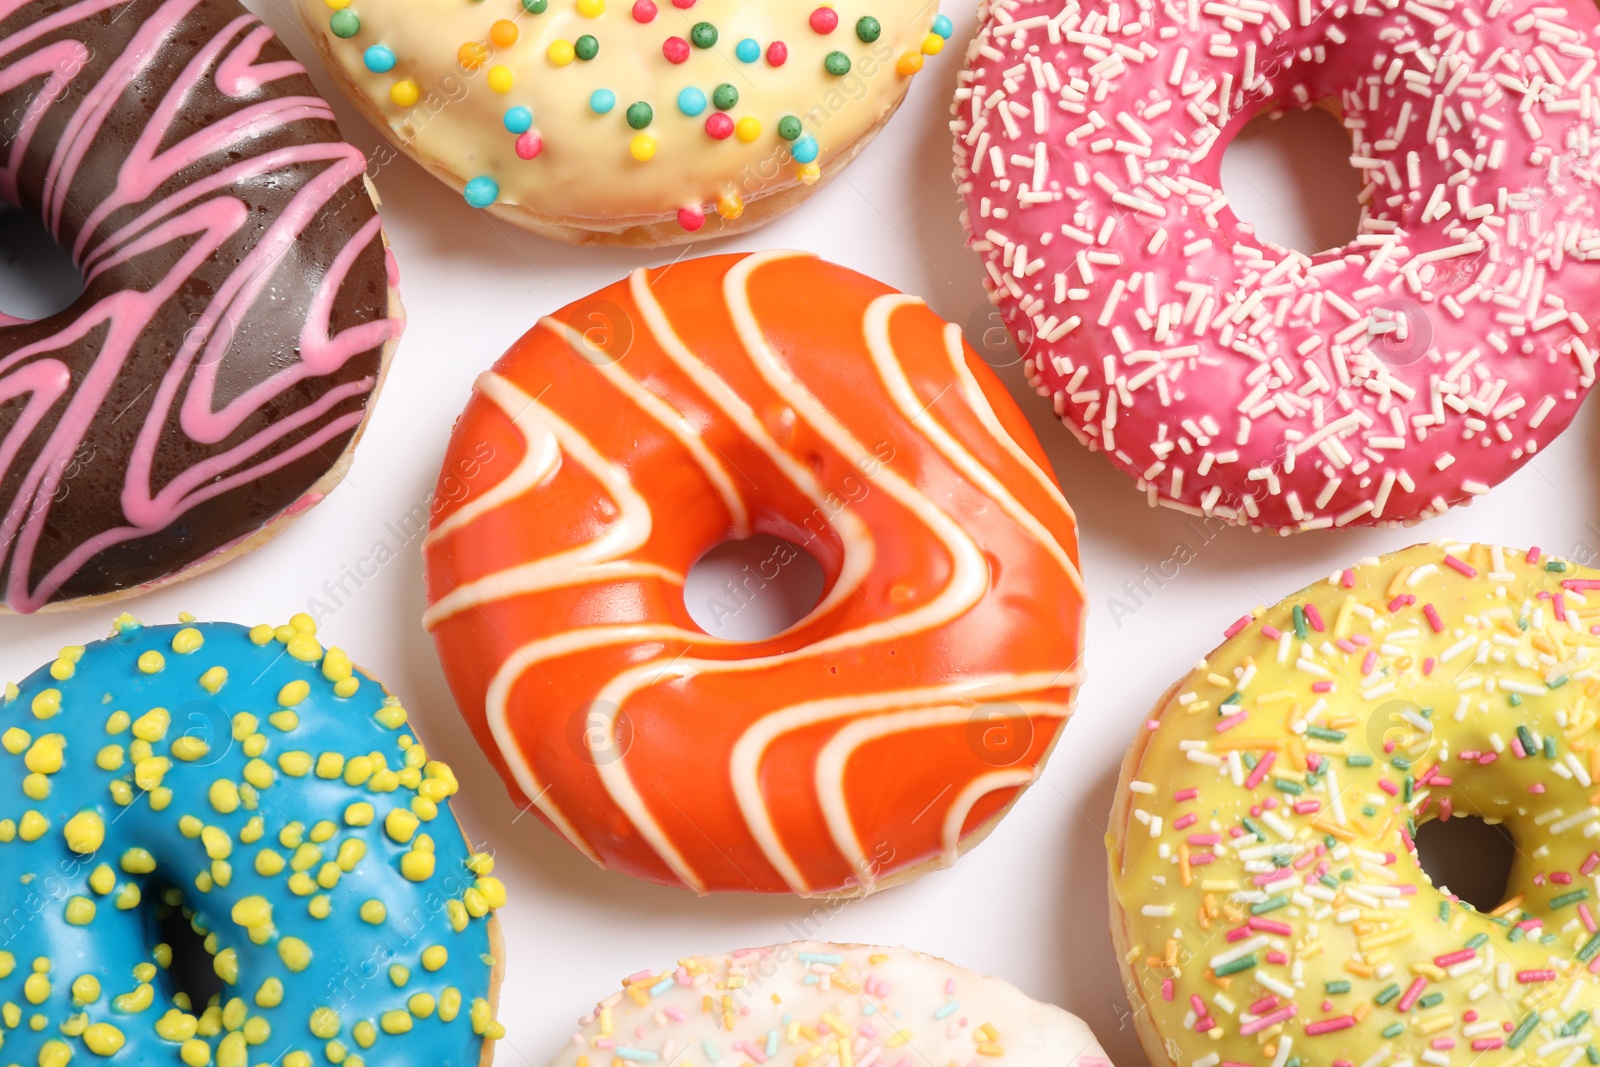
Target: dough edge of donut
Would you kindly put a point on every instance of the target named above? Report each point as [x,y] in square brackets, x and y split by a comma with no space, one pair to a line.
[1116,836]
[283,519]
[661,231]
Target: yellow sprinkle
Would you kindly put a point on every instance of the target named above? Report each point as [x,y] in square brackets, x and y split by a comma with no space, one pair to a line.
[449,1003]
[336,665]
[325,1023]
[500,79]
[260,635]
[493,890]
[269,864]
[480,863]
[33,826]
[85,832]
[85,989]
[137,861]
[176,1025]
[561,53]
[359,814]
[297,1059]
[36,787]
[110,757]
[188,749]
[259,773]
[302,623]
[295,953]
[47,704]
[218,845]
[351,853]
[320,907]
[642,147]
[932,44]
[400,825]
[139,1000]
[391,716]
[151,662]
[808,173]
[422,1005]
[15,740]
[730,205]
[591,9]
[270,995]
[103,879]
[55,1054]
[435,957]
[365,1033]
[305,648]
[395,1022]
[328,875]
[295,764]
[747,129]
[231,1051]
[45,755]
[293,693]
[103,1039]
[346,687]
[417,866]
[148,772]
[224,795]
[252,911]
[244,724]
[214,679]
[152,725]
[374,912]
[187,640]
[306,856]
[195,1053]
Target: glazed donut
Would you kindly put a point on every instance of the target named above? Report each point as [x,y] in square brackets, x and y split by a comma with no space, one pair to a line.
[238,311]
[1375,384]
[631,124]
[1268,905]
[817,1002]
[630,433]
[277,796]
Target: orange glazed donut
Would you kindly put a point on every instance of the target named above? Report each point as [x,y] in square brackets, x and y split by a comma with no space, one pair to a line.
[631,432]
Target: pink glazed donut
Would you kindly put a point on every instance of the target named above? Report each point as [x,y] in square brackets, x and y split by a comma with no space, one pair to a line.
[1375,384]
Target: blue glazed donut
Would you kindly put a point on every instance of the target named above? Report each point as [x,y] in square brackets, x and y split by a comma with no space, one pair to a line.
[276,794]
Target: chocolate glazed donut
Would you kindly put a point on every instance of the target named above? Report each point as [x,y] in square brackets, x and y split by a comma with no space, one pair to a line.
[239,310]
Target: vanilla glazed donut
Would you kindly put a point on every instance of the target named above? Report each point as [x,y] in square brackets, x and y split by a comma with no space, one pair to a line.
[210,383]
[1375,384]
[629,123]
[275,794]
[628,434]
[815,1002]
[1268,905]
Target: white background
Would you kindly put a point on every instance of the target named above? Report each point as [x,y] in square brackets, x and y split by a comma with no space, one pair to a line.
[1029,904]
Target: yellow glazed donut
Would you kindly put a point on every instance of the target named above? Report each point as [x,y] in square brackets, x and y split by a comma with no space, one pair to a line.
[628,121]
[1268,906]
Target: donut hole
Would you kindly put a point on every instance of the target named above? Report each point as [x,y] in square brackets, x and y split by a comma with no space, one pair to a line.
[37,277]
[1287,176]
[1468,858]
[192,971]
[752,589]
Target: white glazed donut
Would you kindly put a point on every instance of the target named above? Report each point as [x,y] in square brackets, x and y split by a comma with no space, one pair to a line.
[821,1004]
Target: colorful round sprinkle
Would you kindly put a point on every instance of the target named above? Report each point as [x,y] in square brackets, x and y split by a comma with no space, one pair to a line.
[561,53]
[805,149]
[691,218]
[345,24]
[472,55]
[644,11]
[748,50]
[378,59]
[535,7]
[777,53]
[586,47]
[725,97]
[518,120]
[789,128]
[869,29]
[824,20]
[719,126]
[676,49]
[404,92]
[837,64]
[943,26]
[933,44]
[482,191]
[703,35]
[691,101]
[640,115]
[504,33]
[500,79]
[529,144]
[602,101]
[591,9]
[748,129]
[642,147]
